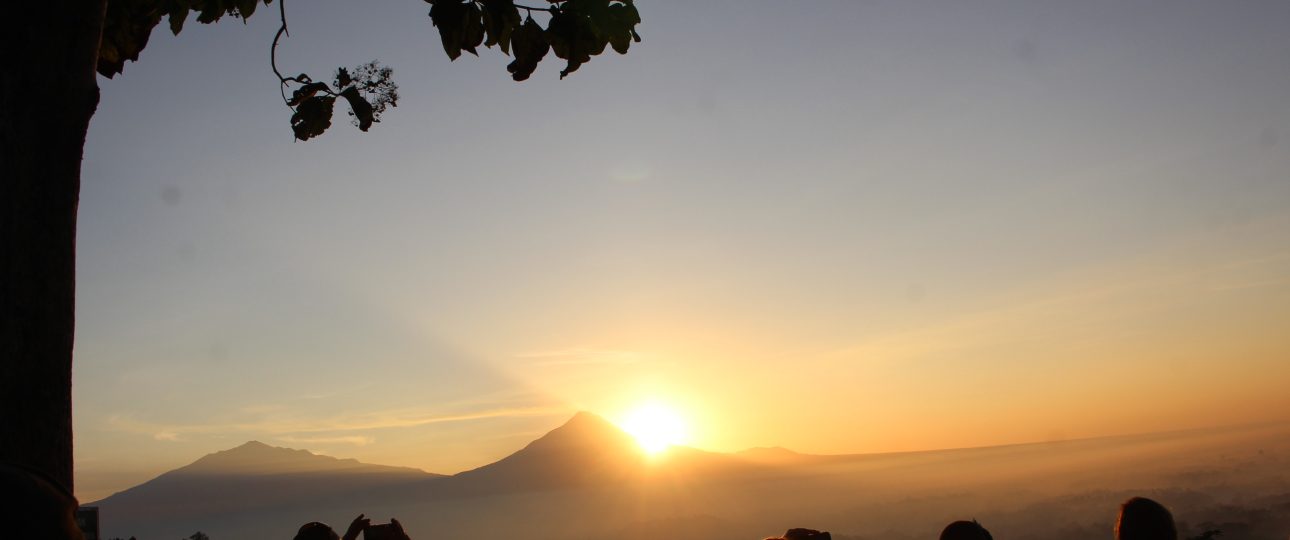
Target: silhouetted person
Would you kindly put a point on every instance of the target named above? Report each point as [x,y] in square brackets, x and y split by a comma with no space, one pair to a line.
[965,530]
[35,506]
[1144,519]
[807,534]
[316,531]
[320,531]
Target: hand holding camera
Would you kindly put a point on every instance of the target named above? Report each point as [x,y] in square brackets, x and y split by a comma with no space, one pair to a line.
[385,531]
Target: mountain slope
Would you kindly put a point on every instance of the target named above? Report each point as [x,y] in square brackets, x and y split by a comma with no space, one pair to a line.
[257,458]
[590,452]
[586,449]
[253,475]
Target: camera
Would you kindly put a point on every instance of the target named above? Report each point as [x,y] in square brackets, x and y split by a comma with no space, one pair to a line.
[384,531]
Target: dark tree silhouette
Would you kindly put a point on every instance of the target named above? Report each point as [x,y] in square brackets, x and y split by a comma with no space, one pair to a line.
[49,92]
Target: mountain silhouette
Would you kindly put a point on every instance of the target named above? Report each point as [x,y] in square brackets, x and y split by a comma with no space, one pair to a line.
[585,450]
[257,458]
[587,478]
[250,476]
[590,451]
[251,480]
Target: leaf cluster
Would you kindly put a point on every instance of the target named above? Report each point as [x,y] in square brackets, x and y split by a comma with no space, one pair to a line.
[576,30]
[128,23]
[368,89]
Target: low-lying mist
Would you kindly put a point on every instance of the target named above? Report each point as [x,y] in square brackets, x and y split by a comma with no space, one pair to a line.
[585,480]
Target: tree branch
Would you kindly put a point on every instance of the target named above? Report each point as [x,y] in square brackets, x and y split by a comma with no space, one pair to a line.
[532,9]
[273,51]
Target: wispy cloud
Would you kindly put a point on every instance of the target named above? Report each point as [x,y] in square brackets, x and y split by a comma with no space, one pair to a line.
[1087,306]
[290,426]
[166,436]
[579,356]
[356,440]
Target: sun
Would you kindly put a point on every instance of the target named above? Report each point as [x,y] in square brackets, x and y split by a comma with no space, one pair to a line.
[655,426]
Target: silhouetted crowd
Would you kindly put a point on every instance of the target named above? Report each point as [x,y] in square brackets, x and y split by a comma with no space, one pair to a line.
[320,531]
[1140,519]
[42,509]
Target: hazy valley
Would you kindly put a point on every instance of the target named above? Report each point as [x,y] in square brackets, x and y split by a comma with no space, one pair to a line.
[588,479]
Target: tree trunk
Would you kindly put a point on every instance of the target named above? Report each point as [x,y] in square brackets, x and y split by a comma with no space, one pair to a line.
[48,93]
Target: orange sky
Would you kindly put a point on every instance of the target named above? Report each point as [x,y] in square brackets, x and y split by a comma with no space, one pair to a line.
[926,226]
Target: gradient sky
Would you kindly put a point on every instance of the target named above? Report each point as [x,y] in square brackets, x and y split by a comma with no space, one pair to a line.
[831,226]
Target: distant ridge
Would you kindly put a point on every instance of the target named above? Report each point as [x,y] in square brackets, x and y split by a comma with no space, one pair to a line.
[257,458]
[770,454]
[253,475]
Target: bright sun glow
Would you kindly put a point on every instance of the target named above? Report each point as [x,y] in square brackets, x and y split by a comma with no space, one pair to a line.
[655,426]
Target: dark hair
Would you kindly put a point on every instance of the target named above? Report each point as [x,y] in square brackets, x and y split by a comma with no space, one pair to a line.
[965,530]
[316,531]
[806,534]
[1144,519]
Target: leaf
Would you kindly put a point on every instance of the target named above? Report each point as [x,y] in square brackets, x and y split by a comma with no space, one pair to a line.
[210,12]
[361,109]
[127,24]
[376,83]
[530,46]
[312,117]
[449,17]
[559,32]
[473,35]
[501,18]
[305,92]
[620,26]
[126,27]
[573,39]
[342,78]
[177,17]
[246,8]
[620,42]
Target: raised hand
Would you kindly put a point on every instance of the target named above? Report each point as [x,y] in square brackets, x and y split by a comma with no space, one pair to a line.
[356,527]
[398,527]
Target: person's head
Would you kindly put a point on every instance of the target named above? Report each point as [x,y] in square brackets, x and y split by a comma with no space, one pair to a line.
[965,530]
[1144,519]
[316,531]
[39,507]
[807,534]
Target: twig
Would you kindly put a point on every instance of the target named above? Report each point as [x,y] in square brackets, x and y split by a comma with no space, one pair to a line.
[273,51]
